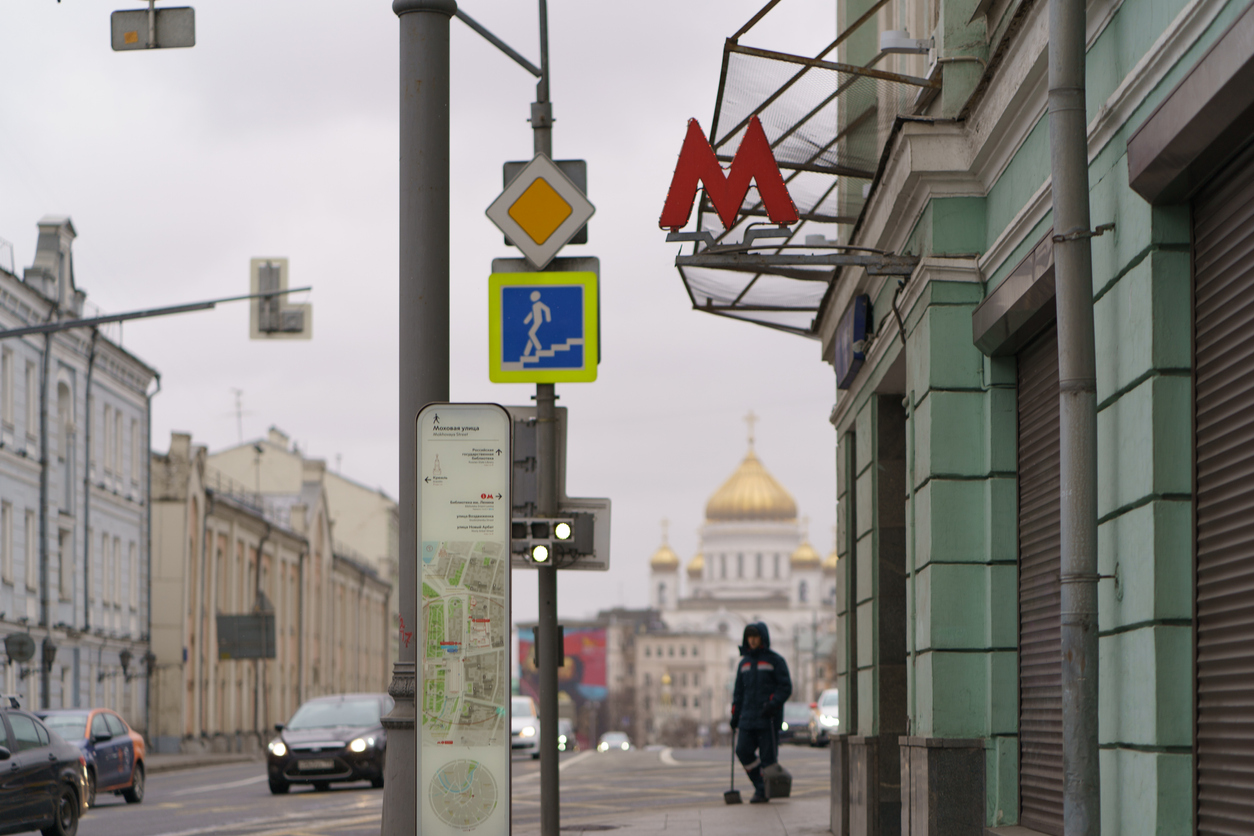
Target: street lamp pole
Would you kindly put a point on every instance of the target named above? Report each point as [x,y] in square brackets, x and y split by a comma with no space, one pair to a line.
[423,316]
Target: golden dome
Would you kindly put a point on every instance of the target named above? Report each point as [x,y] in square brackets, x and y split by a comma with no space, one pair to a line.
[696,566]
[751,494]
[829,563]
[664,560]
[805,557]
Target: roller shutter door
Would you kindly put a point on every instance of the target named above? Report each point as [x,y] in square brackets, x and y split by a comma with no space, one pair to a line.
[1223,259]
[1040,593]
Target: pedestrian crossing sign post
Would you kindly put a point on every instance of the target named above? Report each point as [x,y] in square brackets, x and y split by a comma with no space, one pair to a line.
[542,327]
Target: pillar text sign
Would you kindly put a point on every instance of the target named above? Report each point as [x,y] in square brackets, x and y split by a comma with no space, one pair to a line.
[464,467]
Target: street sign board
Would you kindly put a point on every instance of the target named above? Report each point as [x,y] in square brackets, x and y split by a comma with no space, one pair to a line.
[174,27]
[273,317]
[248,636]
[464,464]
[543,327]
[576,170]
[540,211]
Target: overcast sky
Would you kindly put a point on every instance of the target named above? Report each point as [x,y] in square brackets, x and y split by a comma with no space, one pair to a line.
[276,135]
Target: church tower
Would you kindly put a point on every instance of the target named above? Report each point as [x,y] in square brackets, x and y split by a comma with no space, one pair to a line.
[664,576]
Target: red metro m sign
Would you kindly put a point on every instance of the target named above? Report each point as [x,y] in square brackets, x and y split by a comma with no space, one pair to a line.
[698,164]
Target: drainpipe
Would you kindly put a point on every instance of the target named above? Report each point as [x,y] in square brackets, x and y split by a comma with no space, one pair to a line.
[148,728]
[200,694]
[1077,402]
[91,367]
[45,606]
[261,544]
[300,626]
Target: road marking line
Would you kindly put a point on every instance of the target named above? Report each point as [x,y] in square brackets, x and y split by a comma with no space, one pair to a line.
[561,767]
[256,779]
[666,757]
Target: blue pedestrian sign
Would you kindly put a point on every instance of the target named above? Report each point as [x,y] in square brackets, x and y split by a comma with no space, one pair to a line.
[542,327]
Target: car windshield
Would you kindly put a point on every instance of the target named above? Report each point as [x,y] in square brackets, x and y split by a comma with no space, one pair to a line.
[521,707]
[614,737]
[796,712]
[325,714]
[70,725]
[830,700]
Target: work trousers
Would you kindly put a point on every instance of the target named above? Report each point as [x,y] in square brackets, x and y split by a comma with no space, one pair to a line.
[756,749]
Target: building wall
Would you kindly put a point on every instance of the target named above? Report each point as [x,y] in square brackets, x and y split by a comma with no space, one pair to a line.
[973,200]
[89,562]
[216,549]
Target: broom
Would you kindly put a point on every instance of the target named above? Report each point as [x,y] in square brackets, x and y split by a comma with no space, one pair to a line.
[732,796]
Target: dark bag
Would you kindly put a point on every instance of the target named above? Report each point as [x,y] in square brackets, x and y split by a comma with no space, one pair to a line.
[778,781]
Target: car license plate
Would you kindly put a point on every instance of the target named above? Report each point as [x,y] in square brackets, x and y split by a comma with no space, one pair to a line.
[316,764]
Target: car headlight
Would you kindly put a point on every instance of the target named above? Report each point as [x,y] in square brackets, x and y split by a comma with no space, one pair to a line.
[783,726]
[601,747]
[625,746]
[528,731]
[828,720]
[561,738]
[277,748]
[361,744]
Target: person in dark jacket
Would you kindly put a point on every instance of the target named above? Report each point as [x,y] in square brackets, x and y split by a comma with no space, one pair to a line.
[762,687]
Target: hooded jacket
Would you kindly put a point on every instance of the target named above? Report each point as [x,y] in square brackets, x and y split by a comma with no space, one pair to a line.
[762,684]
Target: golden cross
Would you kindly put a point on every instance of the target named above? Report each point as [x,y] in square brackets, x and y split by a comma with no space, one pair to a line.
[751,420]
[666,524]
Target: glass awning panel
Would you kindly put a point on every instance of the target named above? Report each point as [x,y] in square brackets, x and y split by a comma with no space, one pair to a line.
[826,123]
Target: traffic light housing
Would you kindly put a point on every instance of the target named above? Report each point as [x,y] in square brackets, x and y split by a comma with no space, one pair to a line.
[557,541]
[274,317]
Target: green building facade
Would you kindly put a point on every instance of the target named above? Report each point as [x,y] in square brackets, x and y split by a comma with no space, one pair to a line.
[947,436]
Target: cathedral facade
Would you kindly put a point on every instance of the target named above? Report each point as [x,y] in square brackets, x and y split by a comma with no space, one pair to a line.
[755,564]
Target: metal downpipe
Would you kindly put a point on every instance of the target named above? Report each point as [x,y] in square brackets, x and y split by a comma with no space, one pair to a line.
[1077,375]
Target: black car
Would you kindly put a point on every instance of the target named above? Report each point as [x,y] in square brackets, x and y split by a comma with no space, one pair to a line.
[795,725]
[330,740]
[43,779]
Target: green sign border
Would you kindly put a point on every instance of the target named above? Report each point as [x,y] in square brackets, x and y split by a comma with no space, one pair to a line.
[592,327]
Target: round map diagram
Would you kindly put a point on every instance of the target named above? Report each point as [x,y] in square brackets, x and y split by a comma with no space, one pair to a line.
[463,794]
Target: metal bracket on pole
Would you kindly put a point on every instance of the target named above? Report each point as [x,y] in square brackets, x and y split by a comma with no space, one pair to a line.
[152,24]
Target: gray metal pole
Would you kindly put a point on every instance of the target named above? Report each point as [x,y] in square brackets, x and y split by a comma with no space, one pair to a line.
[546,456]
[424,329]
[1077,374]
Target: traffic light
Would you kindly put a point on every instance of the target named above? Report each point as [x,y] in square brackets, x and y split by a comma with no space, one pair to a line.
[273,317]
[545,541]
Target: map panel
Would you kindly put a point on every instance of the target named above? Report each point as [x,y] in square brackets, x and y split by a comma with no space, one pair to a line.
[465,670]
[464,468]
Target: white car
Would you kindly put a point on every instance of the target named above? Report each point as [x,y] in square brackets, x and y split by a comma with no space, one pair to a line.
[614,740]
[826,720]
[524,726]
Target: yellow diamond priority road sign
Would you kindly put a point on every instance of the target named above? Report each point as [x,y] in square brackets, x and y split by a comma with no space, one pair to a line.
[540,211]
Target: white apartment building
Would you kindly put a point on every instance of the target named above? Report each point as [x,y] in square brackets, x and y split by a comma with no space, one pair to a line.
[74,548]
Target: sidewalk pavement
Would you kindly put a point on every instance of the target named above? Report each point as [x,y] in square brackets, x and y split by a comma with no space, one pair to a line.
[784,817]
[155,762]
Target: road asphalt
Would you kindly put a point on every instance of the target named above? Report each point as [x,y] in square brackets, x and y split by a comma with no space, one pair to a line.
[623,793]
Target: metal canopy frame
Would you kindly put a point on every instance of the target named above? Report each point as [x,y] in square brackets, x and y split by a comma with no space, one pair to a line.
[778,276]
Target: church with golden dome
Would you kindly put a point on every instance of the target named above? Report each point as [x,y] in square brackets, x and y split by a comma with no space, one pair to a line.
[755,563]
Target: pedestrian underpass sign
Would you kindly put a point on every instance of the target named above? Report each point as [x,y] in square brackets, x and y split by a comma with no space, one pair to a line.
[542,327]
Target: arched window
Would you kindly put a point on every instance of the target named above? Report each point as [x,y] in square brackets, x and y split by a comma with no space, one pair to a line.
[759,565]
[802,592]
[777,565]
[740,565]
[661,594]
[722,560]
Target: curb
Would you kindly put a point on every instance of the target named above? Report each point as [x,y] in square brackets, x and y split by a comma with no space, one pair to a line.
[171,763]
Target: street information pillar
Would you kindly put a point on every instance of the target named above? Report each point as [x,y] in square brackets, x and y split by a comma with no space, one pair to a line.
[464,467]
